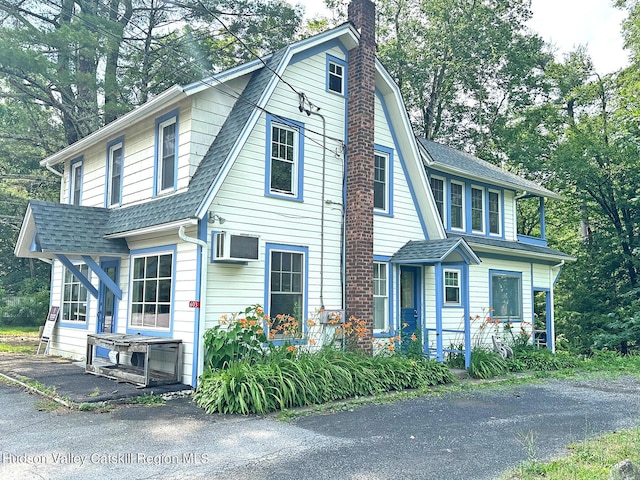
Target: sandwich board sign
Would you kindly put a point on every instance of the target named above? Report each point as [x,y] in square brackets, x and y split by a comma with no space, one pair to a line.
[52,317]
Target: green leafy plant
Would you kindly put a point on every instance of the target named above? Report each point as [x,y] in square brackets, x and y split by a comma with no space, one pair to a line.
[239,338]
[486,364]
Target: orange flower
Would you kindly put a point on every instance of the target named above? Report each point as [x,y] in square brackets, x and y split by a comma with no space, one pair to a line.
[291,348]
[311,323]
[413,337]
[391,340]
[259,310]
[259,331]
[391,348]
[405,325]
[312,341]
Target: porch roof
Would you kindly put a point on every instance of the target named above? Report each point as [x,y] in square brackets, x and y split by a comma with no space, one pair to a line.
[435,251]
[515,248]
[51,230]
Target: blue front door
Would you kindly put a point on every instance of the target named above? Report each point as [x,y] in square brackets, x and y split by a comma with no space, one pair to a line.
[409,300]
[107,304]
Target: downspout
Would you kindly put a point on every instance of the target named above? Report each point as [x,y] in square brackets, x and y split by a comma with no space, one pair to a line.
[200,321]
[322,207]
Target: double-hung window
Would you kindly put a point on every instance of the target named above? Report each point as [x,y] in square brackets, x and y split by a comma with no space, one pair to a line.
[452,287]
[285,153]
[382,180]
[380,297]
[456,201]
[494,212]
[151,291]
[286,289]
[336,75]
[477,210]
[506,295]
[437,188]
[115,153]
[166,152]
[74,296]
[75,182]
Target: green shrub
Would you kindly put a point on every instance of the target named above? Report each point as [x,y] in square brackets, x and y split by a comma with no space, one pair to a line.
[540,359]
[26,311]
[279,382]
[486,364]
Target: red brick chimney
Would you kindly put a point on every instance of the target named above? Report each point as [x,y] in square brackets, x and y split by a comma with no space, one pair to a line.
[360,167]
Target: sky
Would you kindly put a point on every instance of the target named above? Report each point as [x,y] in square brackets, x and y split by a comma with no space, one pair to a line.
[566,24]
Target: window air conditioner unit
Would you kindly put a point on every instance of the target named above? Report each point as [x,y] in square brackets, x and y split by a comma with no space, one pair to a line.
[231,247]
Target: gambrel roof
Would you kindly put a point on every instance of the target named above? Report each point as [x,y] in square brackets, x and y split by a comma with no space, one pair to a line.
[442,157]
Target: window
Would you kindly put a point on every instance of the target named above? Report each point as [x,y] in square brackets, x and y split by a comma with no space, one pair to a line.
[380,297]
[74,296]
[75,178]
[477,209]
[287,278]
[494,213]
[115,151]
[437,188]
[452,287]
[166,152]
[151,291]
[336,75]
[284,158]
[506,295]
[457,200]
[380,182]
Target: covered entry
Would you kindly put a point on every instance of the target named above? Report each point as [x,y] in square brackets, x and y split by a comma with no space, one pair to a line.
[438,259]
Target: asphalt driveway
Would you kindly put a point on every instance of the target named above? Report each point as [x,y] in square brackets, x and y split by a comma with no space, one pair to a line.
[472,435]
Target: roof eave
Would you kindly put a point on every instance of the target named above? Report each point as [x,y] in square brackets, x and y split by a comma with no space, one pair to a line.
[161,102]
[521,253]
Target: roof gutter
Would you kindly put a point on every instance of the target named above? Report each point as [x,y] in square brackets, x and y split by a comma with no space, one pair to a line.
[161,102]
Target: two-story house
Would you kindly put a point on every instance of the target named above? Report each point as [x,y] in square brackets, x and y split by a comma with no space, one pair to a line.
[295,182]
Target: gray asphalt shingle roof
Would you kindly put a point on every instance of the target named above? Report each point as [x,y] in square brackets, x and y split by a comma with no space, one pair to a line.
[516,246]
[427,251]
[185,205]
[444,156]
[75,229]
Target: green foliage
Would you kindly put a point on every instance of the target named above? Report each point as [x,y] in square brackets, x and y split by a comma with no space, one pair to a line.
[26,310]
[540,359]
[276,383]
[621,333]
[240,339]
[486,364]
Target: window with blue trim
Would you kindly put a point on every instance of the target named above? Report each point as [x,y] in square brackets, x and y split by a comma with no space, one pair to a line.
[166,152]
[115,153]
[494,212]
[285,153]
[456,201]
[477,210]
[452,287]
[380,297]
[287,279]
[381,181]
[336,75]
[151,287]
[437,188]
[75,182]
[506,295]
[74,296]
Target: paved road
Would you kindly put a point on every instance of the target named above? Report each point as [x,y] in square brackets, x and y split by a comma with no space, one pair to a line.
[470,435]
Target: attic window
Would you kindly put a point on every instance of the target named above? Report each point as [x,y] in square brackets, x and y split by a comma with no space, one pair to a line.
[336,69]
[166,152]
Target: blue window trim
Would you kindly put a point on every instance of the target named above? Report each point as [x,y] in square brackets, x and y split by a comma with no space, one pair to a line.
[402,161]
[467,184]
[388,152]
[107,183]
[299,190]
[450,268]
[500,193]
[390,298]
[269,247]
[156,151]
[343,64]
[79,325]
[105,262]
[146,252]
[72,165]
[485,205]
[509,273]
